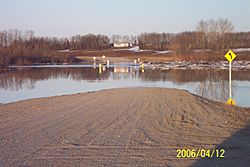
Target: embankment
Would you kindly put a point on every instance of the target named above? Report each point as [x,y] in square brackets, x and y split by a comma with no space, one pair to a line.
[121,127]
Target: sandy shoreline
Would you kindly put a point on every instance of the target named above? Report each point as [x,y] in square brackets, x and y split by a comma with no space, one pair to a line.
[122,127]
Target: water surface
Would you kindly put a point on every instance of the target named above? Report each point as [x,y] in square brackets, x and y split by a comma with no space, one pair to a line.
[18,83]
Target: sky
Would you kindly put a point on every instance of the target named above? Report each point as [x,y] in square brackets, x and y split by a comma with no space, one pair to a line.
[64,18]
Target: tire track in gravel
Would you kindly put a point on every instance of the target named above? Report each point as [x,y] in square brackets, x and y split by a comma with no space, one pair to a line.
[135,126]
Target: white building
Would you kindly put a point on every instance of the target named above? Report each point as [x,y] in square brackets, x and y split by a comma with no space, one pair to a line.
[122,44]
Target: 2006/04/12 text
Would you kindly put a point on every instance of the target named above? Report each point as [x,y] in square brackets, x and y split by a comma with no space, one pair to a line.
[203,153]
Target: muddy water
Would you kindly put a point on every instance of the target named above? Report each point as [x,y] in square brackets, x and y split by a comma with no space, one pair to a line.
[33,82]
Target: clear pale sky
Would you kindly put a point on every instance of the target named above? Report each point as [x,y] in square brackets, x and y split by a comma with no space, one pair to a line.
[70,17]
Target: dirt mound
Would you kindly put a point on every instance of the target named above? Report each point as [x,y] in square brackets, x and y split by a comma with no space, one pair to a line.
[120,127]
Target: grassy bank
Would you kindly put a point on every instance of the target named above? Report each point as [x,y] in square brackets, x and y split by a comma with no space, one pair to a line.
[76,56]
[154,56]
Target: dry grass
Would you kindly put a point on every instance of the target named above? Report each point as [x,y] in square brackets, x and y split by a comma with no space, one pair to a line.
[150,56]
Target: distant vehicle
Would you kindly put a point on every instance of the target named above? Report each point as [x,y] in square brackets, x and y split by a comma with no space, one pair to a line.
[122,44]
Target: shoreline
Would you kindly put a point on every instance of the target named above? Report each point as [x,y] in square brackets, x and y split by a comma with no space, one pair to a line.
[182,65]
[79,56]
[121,88]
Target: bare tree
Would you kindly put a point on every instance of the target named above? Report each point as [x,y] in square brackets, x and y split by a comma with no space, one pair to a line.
[202,28]
[224,26]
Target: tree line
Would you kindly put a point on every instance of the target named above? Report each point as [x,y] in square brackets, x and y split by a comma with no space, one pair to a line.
[210,34]
[17,47]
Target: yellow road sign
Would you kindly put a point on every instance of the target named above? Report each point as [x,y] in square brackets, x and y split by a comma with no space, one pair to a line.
[231,102]
[230,56]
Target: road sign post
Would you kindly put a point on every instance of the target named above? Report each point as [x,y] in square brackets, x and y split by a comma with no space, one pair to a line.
[230,80]
[230,56]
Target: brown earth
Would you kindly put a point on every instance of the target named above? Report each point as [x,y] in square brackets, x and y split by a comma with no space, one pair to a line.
[122,127]
[150,56]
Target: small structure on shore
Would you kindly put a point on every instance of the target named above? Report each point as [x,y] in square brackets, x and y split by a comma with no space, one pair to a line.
[135,62]
[104,59]
[100,68]
[94,58]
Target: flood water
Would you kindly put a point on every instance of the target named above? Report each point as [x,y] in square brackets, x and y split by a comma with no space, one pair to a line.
[42,81]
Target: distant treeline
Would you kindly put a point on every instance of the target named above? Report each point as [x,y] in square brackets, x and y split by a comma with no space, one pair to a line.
[210,34]
[17,47]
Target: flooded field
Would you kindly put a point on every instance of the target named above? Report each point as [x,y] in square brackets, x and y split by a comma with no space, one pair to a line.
[33,82]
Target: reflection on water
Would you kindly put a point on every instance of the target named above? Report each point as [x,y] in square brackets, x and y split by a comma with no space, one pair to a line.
[55,81]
